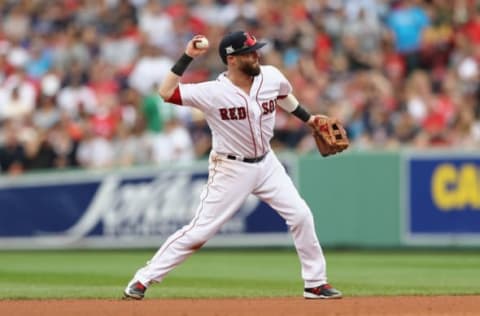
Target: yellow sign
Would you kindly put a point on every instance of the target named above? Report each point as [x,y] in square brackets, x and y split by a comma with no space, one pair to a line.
[456,187]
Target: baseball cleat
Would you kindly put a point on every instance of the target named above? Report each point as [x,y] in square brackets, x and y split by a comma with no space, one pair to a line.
[325,291]
[134,291]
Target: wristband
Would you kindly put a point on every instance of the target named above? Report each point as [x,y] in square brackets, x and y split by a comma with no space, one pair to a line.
[181,65]
[301,113]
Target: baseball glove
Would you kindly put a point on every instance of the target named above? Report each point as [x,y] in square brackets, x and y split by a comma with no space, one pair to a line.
[329,135]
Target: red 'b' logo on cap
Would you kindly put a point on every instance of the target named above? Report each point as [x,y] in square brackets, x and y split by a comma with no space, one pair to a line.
[250,41]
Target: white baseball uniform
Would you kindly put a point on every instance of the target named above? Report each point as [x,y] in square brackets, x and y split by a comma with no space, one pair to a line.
[242,126]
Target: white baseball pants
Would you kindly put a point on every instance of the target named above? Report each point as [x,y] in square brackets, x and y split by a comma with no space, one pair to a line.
[229,184]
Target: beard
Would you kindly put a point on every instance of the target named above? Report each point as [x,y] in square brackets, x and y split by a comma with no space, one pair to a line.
[250,69]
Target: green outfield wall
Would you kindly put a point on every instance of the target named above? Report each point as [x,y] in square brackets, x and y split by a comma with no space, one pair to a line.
[355,198]
[392,199]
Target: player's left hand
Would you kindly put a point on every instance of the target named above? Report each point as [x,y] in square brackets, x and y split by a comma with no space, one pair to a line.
[329,134]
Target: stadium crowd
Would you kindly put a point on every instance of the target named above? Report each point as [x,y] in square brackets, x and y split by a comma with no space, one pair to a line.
[78,77]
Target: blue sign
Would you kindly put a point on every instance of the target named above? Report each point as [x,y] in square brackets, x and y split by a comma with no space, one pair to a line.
[444,195]
[115,206]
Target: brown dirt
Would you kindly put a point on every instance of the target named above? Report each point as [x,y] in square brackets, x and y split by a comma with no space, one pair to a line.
[358,306]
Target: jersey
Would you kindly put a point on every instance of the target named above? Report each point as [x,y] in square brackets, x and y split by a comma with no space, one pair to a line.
[242,124]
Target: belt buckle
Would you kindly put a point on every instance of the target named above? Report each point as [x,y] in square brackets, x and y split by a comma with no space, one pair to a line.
[235,157]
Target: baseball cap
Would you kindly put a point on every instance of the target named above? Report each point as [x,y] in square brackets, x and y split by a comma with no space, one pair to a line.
[237,43]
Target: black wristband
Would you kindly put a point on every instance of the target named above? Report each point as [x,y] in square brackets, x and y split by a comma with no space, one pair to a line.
[181,65]
[301,113]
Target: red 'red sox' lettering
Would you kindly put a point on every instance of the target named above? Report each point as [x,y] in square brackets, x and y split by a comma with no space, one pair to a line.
[239,113]
[269,107]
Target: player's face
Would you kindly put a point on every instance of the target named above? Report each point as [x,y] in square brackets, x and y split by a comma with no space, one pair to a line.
[249,63]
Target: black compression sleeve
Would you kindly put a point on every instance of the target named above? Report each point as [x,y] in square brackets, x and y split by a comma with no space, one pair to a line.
[182,64]
[301,113]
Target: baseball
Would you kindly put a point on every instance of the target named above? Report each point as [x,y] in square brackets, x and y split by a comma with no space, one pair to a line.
[201,43]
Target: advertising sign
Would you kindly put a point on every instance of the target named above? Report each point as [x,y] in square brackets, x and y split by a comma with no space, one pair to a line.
[139,208]
[443,198]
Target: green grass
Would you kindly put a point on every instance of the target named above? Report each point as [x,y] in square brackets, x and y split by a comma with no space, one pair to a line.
[222,273]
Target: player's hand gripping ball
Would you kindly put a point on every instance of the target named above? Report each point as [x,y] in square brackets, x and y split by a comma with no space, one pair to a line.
[201,43]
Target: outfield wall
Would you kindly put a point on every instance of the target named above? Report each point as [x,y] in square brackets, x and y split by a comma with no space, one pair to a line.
[355,198]
[374,199]
[394,199]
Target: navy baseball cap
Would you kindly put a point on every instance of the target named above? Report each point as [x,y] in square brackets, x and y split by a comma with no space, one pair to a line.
[237,43]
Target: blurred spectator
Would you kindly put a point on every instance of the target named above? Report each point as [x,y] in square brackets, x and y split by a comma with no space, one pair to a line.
[120,47]
[152,104]
[64,138]
[237,9]
[39,153]
[104,121]
[366,28]
[124,147]
[405,128]
[130,147]
[437,39]
[156,24]
[47,114]
[419,96]
[371,11]
[174,144]
[15,108]
[16,23]
[3,61]
[40,60]
[149,70]
[76,97]
[12,153]
[470,31]
[200,134]
[71,48]
[208,11]
[20,89]
[407,21]
[95,151]
[463,130]
[128,109]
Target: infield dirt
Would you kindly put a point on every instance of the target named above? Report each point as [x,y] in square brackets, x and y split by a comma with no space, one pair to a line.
[358,306]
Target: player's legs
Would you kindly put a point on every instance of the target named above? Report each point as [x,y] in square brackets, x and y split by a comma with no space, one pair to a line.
[228,185]
[277,189]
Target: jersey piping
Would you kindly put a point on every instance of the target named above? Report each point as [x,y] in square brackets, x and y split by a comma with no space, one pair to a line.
[261,111]
[250,125]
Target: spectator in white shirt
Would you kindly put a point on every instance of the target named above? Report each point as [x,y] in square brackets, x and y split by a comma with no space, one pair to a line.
[75,95]
[174,144]
[149,70]
[95,151]
[15,108]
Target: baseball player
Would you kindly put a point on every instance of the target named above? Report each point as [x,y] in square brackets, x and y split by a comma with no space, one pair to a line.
[239,107]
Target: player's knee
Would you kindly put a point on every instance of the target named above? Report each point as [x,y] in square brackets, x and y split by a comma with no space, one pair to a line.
[302,217]
[197,246]
[196,241]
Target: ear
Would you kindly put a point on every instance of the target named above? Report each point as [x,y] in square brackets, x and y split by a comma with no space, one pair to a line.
[230,59]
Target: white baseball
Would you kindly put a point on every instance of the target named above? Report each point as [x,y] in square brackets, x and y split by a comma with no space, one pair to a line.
[201,43]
